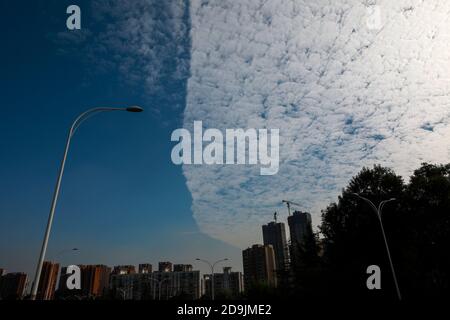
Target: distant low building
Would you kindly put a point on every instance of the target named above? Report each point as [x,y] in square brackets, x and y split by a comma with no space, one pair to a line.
[145,268]
[126,286]
[94,281]
[182,267]
[179,283]
[226,285]
[12,286]
[47,281]
[156,285]
[165,266]
[126,269]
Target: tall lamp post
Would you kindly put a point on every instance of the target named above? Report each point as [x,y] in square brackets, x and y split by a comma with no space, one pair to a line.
[212,272]
[378,211]
[160,282]
[60,253]
[85,115]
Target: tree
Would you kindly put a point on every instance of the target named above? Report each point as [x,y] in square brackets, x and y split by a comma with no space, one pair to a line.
[427,200]
[417,227]
[306,266]
[261,290]
[351,230]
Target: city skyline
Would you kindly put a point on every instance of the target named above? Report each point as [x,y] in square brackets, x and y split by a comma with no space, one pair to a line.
[147,264]
[266,263]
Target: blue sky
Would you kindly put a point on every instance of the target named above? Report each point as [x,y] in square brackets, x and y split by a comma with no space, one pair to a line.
[122,199]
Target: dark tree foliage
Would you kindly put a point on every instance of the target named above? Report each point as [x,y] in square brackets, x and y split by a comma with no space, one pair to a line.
[261,291]
[417,227]
[182,296]
[306,266]
[427,231]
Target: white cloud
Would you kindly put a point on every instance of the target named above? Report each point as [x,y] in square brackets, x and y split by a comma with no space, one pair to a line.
[148,42]
[343,96]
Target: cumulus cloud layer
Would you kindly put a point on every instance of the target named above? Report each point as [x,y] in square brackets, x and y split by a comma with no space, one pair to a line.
[343,94]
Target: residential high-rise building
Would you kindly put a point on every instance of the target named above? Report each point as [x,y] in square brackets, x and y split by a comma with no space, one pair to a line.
[145,268]
[47,281]
[159,284]
[127,286]
[94,281]
[182,267]
[226,285]
[2,272]
[165,266]
[178,283]
[300,231]
[299,226]
[128,269]
[62,284]
[259,265]
[12,286]
[274,233]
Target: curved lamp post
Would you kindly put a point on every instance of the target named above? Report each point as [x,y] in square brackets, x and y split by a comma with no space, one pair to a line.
[160,282]
[212,272]
[85,115]
[378,212]
[60,253]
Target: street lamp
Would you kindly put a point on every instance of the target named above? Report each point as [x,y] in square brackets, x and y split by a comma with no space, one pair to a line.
[82,117]
[212,272]
[159,282]
[378,211]
[60,253]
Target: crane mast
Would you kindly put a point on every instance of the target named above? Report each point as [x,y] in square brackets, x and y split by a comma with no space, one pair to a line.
[288,204]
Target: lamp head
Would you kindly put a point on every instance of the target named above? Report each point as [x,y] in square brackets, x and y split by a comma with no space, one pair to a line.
[134,109]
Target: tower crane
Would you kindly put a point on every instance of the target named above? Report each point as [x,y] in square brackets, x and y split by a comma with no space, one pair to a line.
[288,204]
